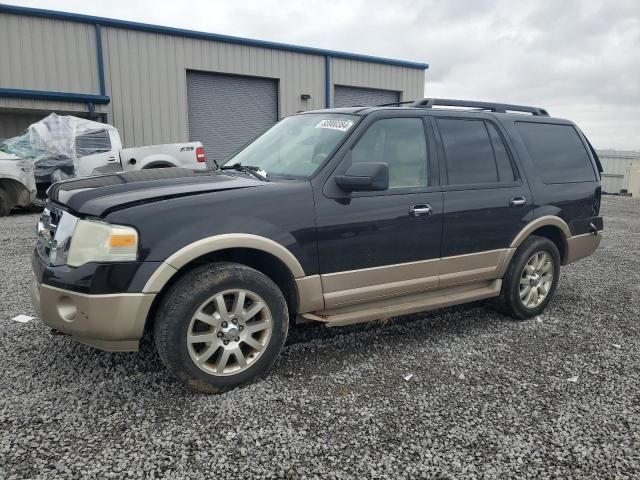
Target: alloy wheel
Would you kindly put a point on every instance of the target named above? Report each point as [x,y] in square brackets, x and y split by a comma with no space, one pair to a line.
[536,279]
[229,332]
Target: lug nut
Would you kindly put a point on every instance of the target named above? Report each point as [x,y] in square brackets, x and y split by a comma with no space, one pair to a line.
[220,334]
[237,339]
[241,327]
[234,321]
[225,324]
[226,342]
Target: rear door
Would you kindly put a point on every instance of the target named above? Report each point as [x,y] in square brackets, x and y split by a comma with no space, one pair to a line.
[486,199]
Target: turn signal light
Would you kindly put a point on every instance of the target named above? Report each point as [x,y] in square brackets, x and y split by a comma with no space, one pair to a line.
[126,240]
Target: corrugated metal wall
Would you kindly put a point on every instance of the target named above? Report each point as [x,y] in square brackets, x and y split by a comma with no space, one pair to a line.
[616,165]
[145,73]
[146,77]
[46,54]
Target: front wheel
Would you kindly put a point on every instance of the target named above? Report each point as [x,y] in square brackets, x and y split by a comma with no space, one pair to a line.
[531,279]
[221,326]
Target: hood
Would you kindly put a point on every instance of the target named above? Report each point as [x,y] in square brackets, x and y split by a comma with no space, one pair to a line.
[99,195]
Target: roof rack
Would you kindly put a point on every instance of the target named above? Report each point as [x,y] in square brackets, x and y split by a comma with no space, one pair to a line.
[489,106]
[391,104]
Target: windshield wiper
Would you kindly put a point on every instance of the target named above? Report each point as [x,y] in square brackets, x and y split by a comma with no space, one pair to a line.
[251,170]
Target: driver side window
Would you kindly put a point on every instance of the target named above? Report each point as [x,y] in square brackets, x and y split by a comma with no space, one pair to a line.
[400,143]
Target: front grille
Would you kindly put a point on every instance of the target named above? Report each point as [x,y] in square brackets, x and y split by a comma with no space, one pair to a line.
[55,229]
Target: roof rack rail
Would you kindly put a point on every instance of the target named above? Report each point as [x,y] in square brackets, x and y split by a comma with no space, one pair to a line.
[391,104]
[492,107]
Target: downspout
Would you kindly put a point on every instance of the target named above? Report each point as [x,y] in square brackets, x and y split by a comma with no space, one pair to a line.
[100,63]
[328,80]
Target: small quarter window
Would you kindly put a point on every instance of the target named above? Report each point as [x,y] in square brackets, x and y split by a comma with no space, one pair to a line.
[505,170]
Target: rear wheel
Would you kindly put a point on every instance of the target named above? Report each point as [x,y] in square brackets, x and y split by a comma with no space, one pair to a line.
[5,205]
[531,279]
[221,326]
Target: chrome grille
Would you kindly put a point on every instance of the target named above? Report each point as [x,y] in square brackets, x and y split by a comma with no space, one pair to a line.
[54,232]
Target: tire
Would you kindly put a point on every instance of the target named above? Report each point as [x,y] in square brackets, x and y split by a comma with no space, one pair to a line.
[196,305]
[510,301]
[5,205]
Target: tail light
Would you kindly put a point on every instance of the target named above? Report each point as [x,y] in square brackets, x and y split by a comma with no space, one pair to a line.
[597,198]
[200,157]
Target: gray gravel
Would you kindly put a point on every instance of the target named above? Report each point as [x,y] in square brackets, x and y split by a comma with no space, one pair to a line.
[556,397]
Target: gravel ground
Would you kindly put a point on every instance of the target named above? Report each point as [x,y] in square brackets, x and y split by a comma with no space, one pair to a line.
[555,397]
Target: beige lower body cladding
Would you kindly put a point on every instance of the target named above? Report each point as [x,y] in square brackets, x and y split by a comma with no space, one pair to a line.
[113,322]
[581,246]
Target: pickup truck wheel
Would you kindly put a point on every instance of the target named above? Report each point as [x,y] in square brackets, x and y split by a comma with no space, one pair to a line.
[531,279]
[5,205]
[221,326]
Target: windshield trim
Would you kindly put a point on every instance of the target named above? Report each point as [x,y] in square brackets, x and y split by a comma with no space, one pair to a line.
[357,119]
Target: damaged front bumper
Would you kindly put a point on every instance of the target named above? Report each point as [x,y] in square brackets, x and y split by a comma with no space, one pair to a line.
[113,322]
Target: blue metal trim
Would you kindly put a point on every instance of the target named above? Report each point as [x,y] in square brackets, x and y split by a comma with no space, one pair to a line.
[59,96]
[328,80]
[100,59]
[110,22]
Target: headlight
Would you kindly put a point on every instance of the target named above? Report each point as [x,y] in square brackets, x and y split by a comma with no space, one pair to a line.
[101,242]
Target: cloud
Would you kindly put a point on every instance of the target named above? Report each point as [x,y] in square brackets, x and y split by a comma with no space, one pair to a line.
[579,59]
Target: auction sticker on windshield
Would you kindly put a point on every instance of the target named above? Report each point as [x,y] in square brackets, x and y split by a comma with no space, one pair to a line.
[342,125]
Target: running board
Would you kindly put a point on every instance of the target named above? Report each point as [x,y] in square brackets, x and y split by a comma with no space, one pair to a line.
[417,302]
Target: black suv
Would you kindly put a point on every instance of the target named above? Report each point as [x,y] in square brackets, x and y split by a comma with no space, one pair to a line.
[337,216]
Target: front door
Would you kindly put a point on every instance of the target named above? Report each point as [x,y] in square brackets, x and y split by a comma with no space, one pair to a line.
[373,245]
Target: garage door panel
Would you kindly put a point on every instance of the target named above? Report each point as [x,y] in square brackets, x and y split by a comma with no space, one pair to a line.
[344,96]
[227,111]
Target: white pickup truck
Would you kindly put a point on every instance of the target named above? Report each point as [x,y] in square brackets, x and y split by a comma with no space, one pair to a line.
[60,147]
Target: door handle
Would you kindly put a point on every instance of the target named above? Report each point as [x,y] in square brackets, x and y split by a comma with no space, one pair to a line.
[517,201]
[421,210]
[111,159]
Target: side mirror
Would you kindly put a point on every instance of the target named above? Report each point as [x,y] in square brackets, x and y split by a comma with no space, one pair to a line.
[365,177]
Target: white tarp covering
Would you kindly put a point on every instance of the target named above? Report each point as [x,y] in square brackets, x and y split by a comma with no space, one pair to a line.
[54,144]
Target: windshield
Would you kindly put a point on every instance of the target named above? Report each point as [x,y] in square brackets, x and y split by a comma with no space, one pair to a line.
[296,146]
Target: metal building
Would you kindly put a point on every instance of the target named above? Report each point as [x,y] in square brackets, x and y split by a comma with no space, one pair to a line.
[621,171]
[160,85]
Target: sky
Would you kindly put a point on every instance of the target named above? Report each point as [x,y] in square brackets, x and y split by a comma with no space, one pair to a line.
[579,59]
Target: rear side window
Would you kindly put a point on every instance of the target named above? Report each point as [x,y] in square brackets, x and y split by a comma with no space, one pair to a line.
[557,152]
[475,152]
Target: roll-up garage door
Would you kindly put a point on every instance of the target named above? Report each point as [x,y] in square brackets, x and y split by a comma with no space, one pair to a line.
[227,111]
[351,96]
